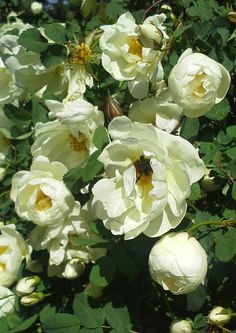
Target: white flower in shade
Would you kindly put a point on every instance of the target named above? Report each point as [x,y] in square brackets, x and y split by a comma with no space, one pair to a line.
[219,316]
[7,300]
[125,57]
[69,139]
[171,263]
[159,111]
[181,326]
[36,7]
[27,285]
[148,174]
[197,82]
[66,258]
[40,195]
[13,250]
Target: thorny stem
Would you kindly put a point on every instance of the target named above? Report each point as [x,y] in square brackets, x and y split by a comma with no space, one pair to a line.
[151,7]
[224,223]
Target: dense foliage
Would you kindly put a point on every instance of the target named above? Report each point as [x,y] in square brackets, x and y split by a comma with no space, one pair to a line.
[114,292]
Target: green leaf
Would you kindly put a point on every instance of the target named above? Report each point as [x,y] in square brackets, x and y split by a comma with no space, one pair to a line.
[47,311]
[190,128]
[100,137]
[103,272]
[231,152]
[124,260]
[86,310]
[80,241]
[55,32]
[195,192]
[234,191]
[25,324]
[231,131]
[61,323]
[219,111]
[118,318]
[115,8]
[39,112]
[3,325]
[93,167]
[196,299]
[225,247]
[181,30]
[54,55]
[32,40]
[18,115]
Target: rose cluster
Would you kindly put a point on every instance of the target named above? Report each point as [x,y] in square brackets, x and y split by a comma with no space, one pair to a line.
[147,168]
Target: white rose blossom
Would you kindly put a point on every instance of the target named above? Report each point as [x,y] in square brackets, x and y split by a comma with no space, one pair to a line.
[178,263]
[197,83]
[69,139]
[124,56]
[159,111]
[66,258]
[27,285]
[13,249]
[181,326]
[40,195]
[7,301]
[148,174]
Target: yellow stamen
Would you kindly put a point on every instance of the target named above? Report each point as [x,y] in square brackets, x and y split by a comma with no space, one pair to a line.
[2,267]
[76,144]
[43,202]
[196,85]
[3,249]
[135,47]
[81,54]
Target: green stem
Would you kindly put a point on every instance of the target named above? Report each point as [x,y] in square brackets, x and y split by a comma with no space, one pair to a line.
[224,223]
[192,206]
[4,193]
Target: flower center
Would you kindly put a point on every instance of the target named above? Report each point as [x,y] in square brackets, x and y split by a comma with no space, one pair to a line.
[78,145]
[196,85]
[3,249]
[81,54]
[135,47]
[2,267]
[42,202]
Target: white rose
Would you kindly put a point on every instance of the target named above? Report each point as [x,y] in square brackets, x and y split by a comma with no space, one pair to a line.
[40,195]
[159,111]
[66,259]
[125,58]
[197,82]
[73,269]
[148,174]
[219,316]
[27,285]
[2,173]
[13,250]
[7,300]
[36,7]
[181,326]
[171,263]
[32,299]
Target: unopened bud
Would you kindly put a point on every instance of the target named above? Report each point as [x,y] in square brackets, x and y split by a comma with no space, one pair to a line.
[93,291]
[232,17]
[36,7]
[150,36]
[208,184]
[180,326]
[219,316]
[112,109]
[27,285]
[32,299]
[88,8]
[74,268]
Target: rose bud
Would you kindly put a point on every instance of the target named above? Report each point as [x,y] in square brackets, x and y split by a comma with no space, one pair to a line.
[27,285]
[219,316]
